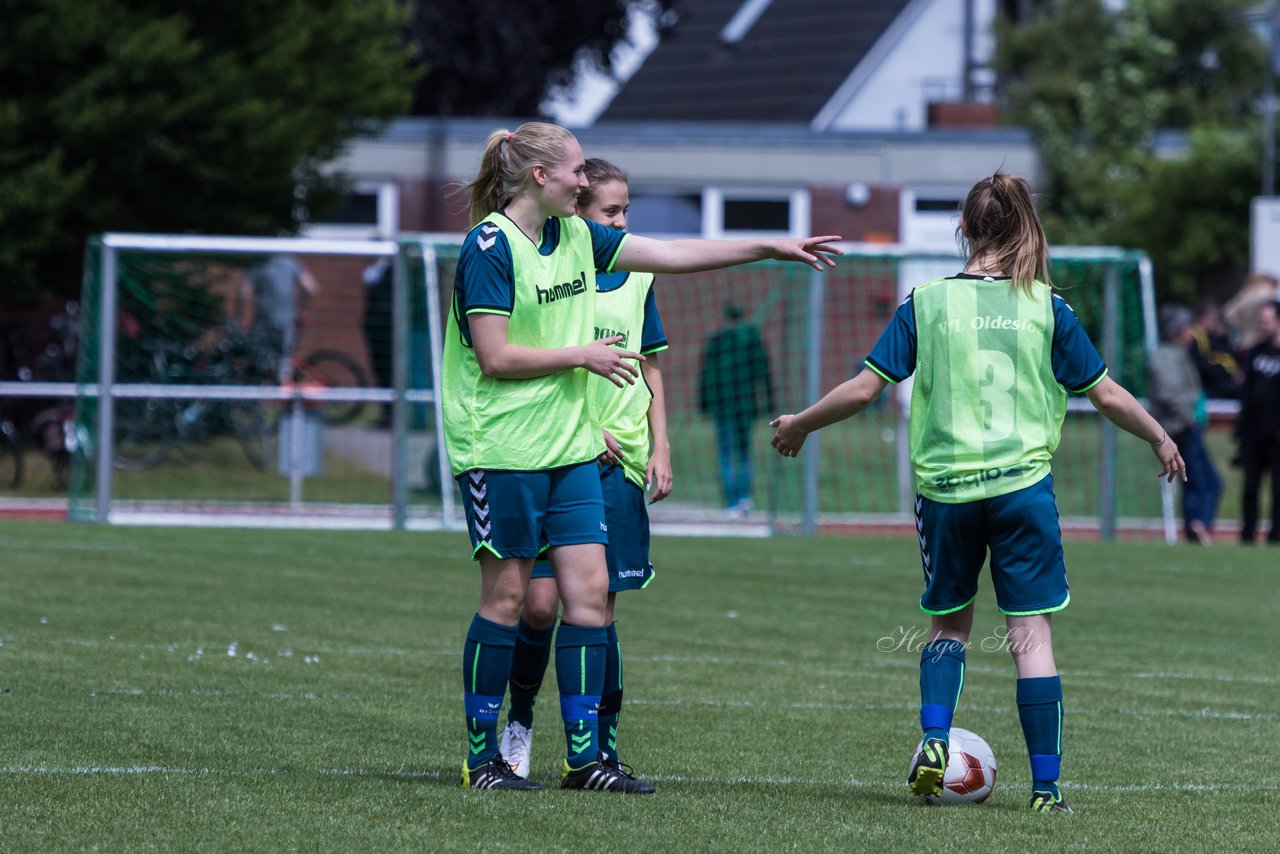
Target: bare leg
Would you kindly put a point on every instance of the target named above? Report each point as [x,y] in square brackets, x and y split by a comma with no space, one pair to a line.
[1031,643]
[583,582]
[503,582]
[953,626]
[541,603]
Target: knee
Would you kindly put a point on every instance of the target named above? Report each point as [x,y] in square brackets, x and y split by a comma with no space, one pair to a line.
[540,611]
[503,606]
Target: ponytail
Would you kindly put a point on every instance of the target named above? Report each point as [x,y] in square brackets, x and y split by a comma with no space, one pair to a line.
[999,219]
[506,161]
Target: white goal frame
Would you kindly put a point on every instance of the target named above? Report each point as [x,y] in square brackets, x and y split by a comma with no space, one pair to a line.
[107,390]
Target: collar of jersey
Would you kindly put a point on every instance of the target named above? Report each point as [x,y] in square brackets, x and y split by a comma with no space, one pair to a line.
[549,240]
[605,281]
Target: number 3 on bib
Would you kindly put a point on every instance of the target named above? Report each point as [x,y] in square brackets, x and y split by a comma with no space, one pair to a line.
[996,376]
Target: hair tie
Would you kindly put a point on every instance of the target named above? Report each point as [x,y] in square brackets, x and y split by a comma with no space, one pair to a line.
[508,139]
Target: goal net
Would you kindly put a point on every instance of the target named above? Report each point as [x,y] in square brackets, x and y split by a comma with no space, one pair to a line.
[257,381]
[215,414]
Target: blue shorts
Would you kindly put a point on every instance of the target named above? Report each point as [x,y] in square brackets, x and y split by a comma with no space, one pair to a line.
[517,514]
[1021,529]
[627,517]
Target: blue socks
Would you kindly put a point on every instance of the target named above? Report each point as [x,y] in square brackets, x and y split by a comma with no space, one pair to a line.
[486,664]
[580,663]
[528,666]
[941,681]
[611,702]
[1040,711]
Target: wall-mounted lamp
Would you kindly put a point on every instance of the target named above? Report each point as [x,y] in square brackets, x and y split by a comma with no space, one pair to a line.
[857,194]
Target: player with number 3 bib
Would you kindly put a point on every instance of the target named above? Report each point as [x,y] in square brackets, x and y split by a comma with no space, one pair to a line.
[994,353]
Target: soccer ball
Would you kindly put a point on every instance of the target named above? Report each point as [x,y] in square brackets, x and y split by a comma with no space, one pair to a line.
[971,769]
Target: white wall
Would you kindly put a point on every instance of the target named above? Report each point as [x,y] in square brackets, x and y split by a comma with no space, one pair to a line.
[926,43]
[1265,235]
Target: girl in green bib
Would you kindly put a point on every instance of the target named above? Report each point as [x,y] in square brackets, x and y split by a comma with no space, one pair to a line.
[523,430]
[994,353]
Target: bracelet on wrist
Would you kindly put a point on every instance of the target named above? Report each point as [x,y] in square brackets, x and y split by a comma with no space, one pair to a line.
[1160,441]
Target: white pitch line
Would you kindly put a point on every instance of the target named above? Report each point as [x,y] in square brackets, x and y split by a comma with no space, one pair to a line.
[1226,714]
[880,662]
[101,770]
[905,706]
[741,780]
[308,696]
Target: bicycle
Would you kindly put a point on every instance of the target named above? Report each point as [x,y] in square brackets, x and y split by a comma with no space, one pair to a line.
[148,427]
[332,369]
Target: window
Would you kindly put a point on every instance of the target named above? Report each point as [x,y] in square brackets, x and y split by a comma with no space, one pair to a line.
[757,214]
[665,213]
[718,212]
[928,218]
[371,209]
[741,212]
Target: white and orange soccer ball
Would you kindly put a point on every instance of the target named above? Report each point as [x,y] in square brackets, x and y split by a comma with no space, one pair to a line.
[971,769]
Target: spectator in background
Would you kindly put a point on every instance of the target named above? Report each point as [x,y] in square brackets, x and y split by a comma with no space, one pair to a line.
[277,290]
[1214,357]
[733,389]
[1259,428]
[1175,396]
[1241,311]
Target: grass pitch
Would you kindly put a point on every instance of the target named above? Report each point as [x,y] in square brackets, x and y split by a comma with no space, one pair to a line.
[226,690]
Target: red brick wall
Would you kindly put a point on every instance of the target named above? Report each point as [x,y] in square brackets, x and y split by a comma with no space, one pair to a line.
[874,222]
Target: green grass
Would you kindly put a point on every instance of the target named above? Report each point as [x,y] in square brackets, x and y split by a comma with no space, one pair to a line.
[858,474]
[757,699]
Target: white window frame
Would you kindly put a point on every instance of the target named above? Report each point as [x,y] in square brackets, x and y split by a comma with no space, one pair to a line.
[388,224]
[934,230]
[713,199]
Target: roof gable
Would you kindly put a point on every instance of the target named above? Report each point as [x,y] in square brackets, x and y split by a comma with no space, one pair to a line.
[785,68]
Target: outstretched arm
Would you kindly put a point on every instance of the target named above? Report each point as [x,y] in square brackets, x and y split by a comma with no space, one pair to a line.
[845,400]
[646,255]
[499,358]
[1123,410]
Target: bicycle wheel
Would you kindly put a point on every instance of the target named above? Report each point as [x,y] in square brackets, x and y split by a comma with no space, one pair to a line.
[145,427]
[10,457]
[333,369]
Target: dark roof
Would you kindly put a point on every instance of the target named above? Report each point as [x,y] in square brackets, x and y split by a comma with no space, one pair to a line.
[785,69]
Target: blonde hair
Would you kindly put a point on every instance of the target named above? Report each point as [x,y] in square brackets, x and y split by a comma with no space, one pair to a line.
[599,172]
[999,218]
[507,160]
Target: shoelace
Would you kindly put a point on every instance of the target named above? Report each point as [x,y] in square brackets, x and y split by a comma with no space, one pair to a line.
[503,767]
[621,767]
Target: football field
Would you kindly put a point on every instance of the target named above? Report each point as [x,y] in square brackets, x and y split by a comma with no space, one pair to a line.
[229,690]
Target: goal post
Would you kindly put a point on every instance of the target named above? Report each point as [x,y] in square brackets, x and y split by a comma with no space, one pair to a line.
[194,345]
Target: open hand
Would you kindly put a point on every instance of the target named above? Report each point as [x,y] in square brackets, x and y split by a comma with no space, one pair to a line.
[601,357]
[814,251]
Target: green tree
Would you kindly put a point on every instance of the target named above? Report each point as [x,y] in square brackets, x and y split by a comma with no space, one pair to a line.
[208,116]
[498,58]
[1102,86]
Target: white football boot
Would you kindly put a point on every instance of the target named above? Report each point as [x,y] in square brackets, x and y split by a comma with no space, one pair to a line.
[516,744]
